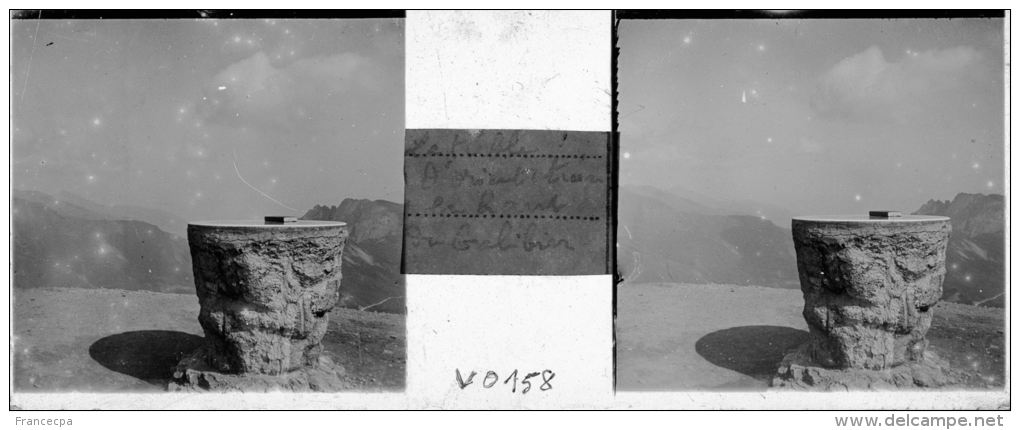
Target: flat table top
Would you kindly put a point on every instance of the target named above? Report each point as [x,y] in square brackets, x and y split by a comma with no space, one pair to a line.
[263,224]
[857,219]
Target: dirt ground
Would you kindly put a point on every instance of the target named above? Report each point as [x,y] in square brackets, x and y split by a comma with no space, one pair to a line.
[679,337]
[96,340]
[668,339]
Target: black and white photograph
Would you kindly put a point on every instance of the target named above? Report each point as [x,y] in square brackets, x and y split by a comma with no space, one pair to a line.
[206,202]
[753,213]
[811,204]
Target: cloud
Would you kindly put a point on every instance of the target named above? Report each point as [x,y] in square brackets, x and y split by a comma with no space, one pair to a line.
[256,92]
[869,86]
[810,146]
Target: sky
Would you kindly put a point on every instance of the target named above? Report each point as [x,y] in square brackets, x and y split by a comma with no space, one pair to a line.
[814,116]
[209,119]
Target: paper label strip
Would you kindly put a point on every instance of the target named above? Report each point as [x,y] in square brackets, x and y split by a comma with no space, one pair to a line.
[507,202]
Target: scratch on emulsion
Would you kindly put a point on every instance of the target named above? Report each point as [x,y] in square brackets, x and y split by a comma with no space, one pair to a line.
[236,170]
[446,110]
[28,71]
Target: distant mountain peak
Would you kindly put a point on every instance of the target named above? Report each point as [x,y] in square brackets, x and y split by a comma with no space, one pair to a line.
[366,219]
[972,214]
[960,199]
[975,260]
[70,204]
[57,243]
[372,256]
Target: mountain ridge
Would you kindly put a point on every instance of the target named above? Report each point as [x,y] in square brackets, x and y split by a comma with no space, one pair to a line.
[975,258]
[69,241]
[61,244]
[371,267]
[684,241]
[668,238]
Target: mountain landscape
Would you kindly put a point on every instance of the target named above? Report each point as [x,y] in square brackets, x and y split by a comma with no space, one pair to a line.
[711,300]
[110,340]
[666,238]
[69,241]
[683,238]
[166,221]
[371,266]
[92,310]
[975,259]
[62,244]
[663,236]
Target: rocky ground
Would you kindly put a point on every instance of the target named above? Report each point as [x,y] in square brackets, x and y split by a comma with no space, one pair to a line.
[99,340]
[681,337]
[670,337]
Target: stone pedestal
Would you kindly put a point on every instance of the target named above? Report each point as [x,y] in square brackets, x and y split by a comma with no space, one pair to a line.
[265,291]
[869,287]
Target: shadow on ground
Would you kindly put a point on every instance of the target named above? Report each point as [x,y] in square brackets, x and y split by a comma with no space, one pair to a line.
[149,355]
[753,350]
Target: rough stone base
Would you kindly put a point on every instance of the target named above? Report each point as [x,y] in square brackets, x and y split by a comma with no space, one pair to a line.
[194,374]
[798,372]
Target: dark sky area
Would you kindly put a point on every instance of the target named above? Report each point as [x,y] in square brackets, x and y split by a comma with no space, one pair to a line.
[816,116]
[209,118]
